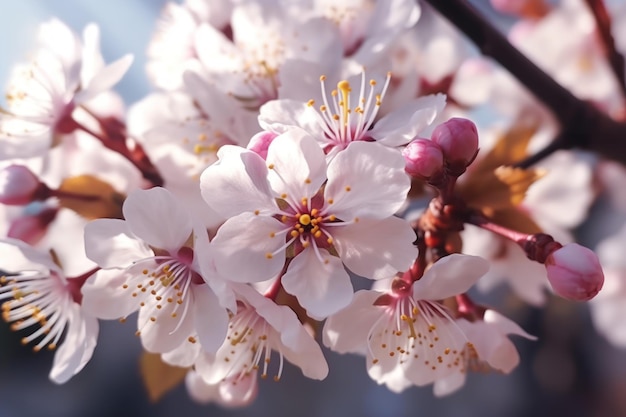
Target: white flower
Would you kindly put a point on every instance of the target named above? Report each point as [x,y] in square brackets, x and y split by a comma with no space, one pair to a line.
[295,207]
[406,334]
[259,328]
[350,115]
[40,298]
[156,250]
[42,97]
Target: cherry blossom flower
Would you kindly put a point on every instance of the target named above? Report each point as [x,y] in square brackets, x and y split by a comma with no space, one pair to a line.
[64,75]
[406,334]
[259,328]
[319,217]
[39,298]
[155,251]
[349,116]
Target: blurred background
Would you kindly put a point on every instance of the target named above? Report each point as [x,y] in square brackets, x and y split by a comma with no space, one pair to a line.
[570,371]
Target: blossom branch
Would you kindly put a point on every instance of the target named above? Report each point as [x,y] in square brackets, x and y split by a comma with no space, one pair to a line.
[603,24]
[583,126]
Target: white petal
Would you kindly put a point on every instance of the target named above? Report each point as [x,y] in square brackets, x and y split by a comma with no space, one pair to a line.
[279,116]
[77,348]
[449,384]
[199,390]
[449,276]
[211,319]
[156,217]
[322,287]
[104,296]
[111,244]
[505,325]
[299,165]
[19,256]
[347,330]
[105,78]
[376,249]
[375,178]
[166,333]
[237,183]
[403,125]
[241,248]
[184,355]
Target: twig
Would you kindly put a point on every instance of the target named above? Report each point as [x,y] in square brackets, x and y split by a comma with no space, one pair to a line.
[583,125]
[603,24]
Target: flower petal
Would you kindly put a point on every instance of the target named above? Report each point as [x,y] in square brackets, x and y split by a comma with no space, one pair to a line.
[403,125]
[237,183]
[279,116]
[242,245]
[346,331]
[322,286]
[366,180]
[449,276]
[211,319]
[77,348]
[298,165]
[156,217]
[376,249]
[111,244]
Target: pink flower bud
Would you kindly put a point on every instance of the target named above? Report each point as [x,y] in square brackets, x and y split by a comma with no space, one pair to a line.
[574,272]
[260,142]
[18,185]
[423,159]
[31,228]
[458,139]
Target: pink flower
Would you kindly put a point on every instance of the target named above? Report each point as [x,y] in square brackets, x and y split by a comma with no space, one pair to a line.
[156,252]
[319,217]
[407,336]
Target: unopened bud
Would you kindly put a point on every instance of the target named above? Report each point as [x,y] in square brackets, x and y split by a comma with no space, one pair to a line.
[423,159]
[260,143]
[458,139]
[19,186]
[31,228]
[574,272]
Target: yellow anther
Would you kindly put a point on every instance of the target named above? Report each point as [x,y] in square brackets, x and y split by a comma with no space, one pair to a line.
[305,219]
[310,103]
[329,240]
[307,181]
[344,86]
[322,78]
[372,83]
[294,233]
[323,108]
[348,189]
[269,255]
[318,234]
[272,234]
[270,166]
[314,212]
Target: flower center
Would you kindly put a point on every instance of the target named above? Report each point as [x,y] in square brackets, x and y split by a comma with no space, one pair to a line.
[347,118]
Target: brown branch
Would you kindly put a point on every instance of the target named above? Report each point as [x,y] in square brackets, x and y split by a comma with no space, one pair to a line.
[603,24]
[582,125]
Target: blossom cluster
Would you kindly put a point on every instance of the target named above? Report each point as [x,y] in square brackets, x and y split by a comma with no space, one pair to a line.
[291,148]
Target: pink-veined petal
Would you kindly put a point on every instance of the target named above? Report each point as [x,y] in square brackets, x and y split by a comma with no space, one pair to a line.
[77,348]
[111,244]
[155,216]
[242,245]
[211,319]
[376,249]
[346,331]
[449,276]
[403,125]
[298,165]
[322,287]
[237,183]
[366,180]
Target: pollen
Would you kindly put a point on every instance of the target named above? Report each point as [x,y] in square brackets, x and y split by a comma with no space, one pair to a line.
[305,219]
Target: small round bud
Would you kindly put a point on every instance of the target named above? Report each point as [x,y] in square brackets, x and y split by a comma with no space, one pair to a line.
[574,272]
[18,185]
[423,159]
[260,143]
[458,139]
